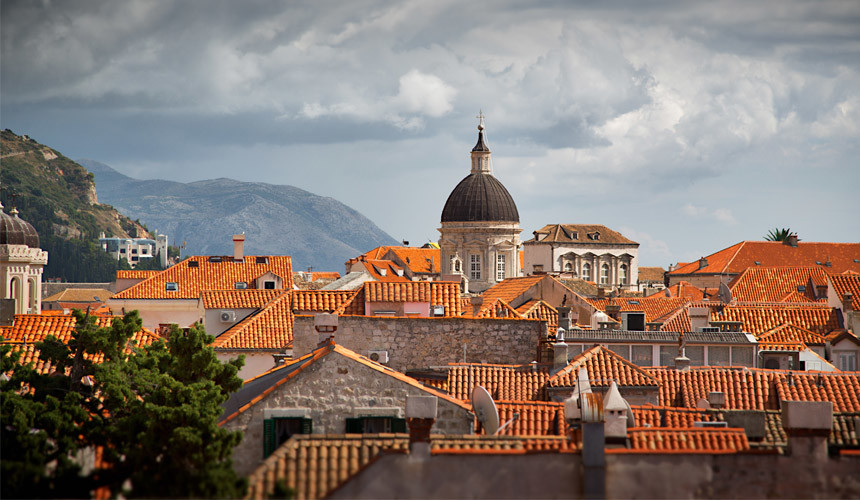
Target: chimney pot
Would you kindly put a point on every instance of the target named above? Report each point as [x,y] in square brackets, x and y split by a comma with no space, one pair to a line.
[239,247]
[791,240]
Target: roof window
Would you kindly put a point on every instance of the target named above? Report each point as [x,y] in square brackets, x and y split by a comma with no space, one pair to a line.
[193,263]
[262,260]
[215,258]
[240,285]
[171,286]
[633,302]
[801,288]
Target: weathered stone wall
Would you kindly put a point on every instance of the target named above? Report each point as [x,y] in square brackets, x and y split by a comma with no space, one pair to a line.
[415,343]
[333,389]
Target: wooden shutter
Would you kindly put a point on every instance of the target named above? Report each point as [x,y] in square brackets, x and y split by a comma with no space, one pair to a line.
[307,426]
[268,437]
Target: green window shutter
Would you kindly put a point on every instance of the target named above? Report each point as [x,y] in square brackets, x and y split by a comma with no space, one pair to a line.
[307,426]
[354,426]
[398,425]
[268,437]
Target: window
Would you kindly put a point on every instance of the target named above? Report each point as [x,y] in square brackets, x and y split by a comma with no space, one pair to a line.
[171,286]
[261,260]
[240,285]
[604,274]
[643,355]
[668,354]
[586,271]
[375,425]
[268,285]
[622,274]
[475,266]
[622,350]
[500,267]
[718,356]
[696,353]
[567,267]
[847,360]
[742,356]
[276,431]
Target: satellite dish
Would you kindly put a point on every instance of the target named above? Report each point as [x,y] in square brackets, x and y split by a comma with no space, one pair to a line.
[725,293]
[485,409]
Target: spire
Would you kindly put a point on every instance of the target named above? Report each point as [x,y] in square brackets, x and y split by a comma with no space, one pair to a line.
[480,153]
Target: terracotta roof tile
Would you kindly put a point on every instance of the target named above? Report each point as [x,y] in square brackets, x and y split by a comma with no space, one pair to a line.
[677,321]
[85,295]
[846,283]
[135,275]
[535,418]
[579,234]
[237,299]
[791,334]
[498,308]
[511,288]
[603,366]
[271,327]
[843,389]
[503,382]
[437,293]
[208,275]
[651,274]
[763,318]
[418,260]
[736,258]
[744,389]
[320,300]
[695,440]
[777,284]
[385,271]
[653,306]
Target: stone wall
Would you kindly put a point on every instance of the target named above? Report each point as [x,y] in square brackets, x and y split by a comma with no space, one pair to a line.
[416,343]
[333,389]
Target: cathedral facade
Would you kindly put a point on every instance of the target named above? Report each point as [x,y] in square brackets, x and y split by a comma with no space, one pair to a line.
[480,234]
[21,263]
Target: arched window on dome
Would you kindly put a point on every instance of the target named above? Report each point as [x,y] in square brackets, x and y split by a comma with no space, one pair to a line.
[622,274]
[586,271]
[604,274]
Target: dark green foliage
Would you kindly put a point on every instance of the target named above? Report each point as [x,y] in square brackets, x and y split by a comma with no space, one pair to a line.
[778,234]
[153,413]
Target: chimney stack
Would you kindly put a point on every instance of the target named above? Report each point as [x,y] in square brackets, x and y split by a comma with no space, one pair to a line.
[703,263]
[559,356]
[420,416]
[717,399]
[791,240]
[808,425]
[564,320]
[325,324]
[847,300]
[239,247]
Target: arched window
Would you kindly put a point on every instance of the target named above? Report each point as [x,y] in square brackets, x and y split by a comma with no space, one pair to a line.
[604,274]
[33,297]
[586,271]
[622,274]
[567,267]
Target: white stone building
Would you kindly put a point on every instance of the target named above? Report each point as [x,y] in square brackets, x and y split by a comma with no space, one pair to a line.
[136,250]
[21,263]
[480,233]
[591,252]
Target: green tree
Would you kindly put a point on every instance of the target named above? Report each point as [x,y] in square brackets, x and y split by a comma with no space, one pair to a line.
[777,234]
[152,412]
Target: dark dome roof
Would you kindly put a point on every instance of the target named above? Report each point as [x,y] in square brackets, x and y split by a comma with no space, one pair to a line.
[480,197]
[16,231]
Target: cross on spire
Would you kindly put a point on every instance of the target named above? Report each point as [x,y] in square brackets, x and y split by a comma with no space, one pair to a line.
[480,117]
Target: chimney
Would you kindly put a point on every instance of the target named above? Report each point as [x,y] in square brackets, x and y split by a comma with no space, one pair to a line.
[601,293]
[420,416]
[612,310]
[239,247]
[699,318]
[808,425]
[593,447]
[847,299]
[564,320]
[717,399]
[703,263]
[615,414]
[791,240]
[325,324]
[682,362]
[559,356]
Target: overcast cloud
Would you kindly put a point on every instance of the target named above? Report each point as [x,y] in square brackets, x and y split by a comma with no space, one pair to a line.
[688,126]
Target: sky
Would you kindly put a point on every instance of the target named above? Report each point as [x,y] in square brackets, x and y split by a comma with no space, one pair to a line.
[686,126]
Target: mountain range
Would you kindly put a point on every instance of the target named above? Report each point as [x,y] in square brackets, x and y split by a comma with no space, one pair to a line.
[317,231]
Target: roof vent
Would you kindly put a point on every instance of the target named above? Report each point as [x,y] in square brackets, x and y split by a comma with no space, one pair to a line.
[193,263]
[240,285]
[262,260]
[215,258]
[171,286]
[757,263]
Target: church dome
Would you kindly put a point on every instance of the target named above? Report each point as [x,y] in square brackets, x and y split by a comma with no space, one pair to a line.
[16,231]
[480,197]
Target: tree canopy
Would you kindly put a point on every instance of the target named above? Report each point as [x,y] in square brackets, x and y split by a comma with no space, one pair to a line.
[778,234]
[141,423]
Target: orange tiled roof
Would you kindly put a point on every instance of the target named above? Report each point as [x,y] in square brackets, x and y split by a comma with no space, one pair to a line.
[782,346]
[687,290]
[324,275]
[579,234]
[208,275]
[776,284]
[791,333]
[538,309]
[677,321]
[135,275]
[651,274]
[668,416]
[846,283]
[85,295]
[419,260]
[392,272]
[271,328]
[237,299]
[353,306]
[843,389]
[736,258]
[603,367]
[653,306]
[763,318]
[689,440]
[536,418]
[498,308]
[443,293]
[503,382]
[511,288]
[320,300]
[744,389]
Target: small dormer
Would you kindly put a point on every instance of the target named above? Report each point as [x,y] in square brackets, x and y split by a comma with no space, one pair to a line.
[269,281]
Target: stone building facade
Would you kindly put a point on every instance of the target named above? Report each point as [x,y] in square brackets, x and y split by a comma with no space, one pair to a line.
[479,241]
[417,343]
[590,252]
[21,263]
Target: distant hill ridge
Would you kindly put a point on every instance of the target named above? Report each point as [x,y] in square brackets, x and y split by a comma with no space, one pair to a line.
[317,231]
